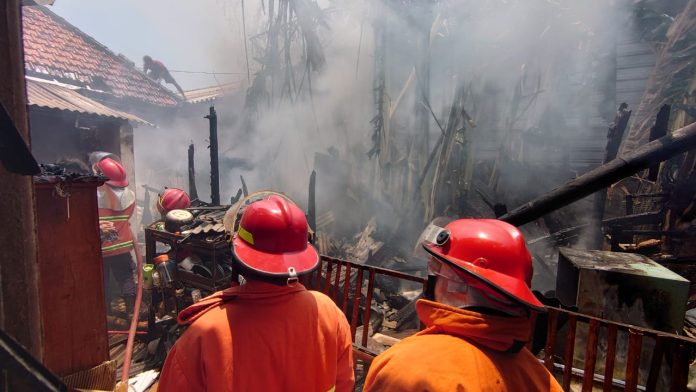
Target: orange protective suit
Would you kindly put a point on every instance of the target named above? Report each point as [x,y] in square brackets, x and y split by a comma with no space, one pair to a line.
[461,350]
[261,337]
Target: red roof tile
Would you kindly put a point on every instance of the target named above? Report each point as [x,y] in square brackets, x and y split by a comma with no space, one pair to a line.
[55,48]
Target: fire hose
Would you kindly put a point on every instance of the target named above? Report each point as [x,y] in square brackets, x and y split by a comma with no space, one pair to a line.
[123,385]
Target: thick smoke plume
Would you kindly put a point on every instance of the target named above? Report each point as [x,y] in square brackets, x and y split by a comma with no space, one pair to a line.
[533,67]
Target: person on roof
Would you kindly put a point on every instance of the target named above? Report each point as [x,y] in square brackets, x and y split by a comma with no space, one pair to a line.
[270,333]
[157,71]
[116,206]
[476,327]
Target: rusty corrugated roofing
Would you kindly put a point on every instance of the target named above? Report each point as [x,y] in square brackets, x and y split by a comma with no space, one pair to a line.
[211,93]
[55,49]
[54,96]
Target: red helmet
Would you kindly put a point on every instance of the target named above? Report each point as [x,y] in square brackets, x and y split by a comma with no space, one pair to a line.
[272,240]
[173,199]
[112,169]
[491,251]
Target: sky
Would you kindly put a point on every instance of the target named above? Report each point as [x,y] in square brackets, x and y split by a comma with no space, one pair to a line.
[188,35]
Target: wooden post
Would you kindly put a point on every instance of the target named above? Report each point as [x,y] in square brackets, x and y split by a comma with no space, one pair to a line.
[657,131]
[614,136]
[214,164]
[19,291]
[438,191]
[193,192]
[312,203]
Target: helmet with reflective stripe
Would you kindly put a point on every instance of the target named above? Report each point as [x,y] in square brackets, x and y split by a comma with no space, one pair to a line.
[272,241]
[112,169]
[173,199]
[492,252]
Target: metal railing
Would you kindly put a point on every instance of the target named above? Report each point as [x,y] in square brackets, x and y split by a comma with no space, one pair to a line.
[570,337]
[649,360]
[341,280]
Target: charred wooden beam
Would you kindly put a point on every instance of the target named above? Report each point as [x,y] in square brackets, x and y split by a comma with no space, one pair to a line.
[657,131]
[614,137]
[236,198]
[193,192]
[312,203]
[245,190]
[214,164]
[616,132]
[681,140]
[645,218]
[456,115]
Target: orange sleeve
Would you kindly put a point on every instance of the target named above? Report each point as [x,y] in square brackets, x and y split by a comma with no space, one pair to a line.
[345,377]
[372,381]
[177,375]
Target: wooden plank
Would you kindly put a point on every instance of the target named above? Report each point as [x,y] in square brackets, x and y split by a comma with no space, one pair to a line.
[610,358]
[635,340]
[368,306]
[20,293]
[637,60]
[550,339]
[590,356]
[680,367]
[655,363]
[569,352]
[337,281]
[327,279]
[346,288]
[71,266]
[356,304]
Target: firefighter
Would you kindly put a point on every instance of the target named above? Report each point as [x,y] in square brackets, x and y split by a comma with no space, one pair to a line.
[477,325]
[269,334]
[116,205]
[158,71]
[172,199]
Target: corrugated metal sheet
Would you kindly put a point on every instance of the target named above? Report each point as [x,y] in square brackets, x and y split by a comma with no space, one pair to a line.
[211,93]
[54,96]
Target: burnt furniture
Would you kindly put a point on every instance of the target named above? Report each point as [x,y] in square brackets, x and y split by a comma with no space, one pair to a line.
[216,256]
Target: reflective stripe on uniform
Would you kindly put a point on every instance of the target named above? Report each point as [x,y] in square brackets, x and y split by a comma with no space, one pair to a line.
[120,245]
[116,218]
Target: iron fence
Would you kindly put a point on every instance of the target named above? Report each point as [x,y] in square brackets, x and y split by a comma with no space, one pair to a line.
[630,358]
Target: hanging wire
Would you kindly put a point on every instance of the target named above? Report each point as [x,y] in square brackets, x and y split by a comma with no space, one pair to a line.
[246,51]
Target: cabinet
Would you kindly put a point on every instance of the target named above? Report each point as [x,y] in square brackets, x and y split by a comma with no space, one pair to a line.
[71,288]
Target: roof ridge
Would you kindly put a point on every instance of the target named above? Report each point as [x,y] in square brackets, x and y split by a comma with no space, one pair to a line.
[121,59]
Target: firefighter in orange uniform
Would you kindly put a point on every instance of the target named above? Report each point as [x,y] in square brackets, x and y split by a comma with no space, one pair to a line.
[476,327]
[116,206]
[269,334]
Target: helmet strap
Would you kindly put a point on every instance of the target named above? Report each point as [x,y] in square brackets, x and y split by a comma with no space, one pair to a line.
[292,276]
[429,293]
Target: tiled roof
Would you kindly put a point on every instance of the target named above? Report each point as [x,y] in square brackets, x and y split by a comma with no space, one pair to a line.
[54,96]
[55,49]
[211,93]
